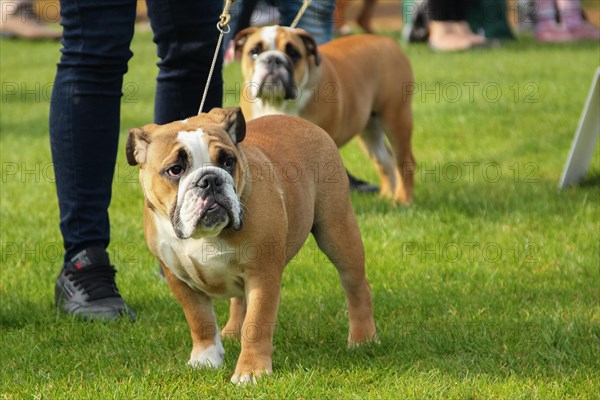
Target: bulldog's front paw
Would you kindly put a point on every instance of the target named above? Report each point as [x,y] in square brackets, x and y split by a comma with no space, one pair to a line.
[357,343]
[249,370]
[363,334]
[208,357]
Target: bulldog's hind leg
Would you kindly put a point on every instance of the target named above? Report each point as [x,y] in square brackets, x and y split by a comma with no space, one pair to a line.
[373,142]
[397,121]
[338,236]
[237,313]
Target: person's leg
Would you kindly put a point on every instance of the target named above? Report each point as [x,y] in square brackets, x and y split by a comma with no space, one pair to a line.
[186,36]
[545,12]
[546,28]
[462,26]
[245,14]
[444,29]
[447,10]
[317,20]
[570,14]
[84,133]
[84,116]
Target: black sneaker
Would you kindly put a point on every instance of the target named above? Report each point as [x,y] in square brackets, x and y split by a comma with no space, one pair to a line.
[86,288]
[360,186]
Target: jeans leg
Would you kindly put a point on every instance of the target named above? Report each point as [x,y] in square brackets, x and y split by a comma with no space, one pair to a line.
[84,115]
[448,10]
[186,36]
[317,20]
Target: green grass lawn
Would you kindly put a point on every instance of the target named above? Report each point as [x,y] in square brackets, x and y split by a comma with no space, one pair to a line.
[487,287]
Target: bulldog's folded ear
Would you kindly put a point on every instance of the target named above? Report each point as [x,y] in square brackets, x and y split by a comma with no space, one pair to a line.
[240,39]
[233,122]
[310,44]
[137,145]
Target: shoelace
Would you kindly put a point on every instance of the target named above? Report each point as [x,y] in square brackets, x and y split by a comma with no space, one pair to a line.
[98,281]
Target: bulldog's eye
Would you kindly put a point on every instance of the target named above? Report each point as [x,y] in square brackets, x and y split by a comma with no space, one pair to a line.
[175,171]
[229,164]
[292,52]
[255,51]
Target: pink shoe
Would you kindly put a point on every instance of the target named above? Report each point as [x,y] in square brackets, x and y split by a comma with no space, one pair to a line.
[585,31]
[553,33]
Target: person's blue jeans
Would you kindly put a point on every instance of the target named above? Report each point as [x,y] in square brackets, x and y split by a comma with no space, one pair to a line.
[86,98]
[317,20]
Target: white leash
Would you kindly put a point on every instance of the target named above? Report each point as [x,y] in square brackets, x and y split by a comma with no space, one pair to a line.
[300,13]
[223,27]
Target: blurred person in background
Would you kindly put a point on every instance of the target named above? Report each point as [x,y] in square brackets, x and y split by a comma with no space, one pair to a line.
[449,29]
[19,20]
[562,21]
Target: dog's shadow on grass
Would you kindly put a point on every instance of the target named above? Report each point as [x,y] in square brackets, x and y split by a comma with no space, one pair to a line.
[487,200]
[454,347]
[310,337]
[472,200]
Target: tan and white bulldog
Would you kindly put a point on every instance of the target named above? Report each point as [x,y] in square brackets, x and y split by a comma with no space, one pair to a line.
[224,217]
[356,84]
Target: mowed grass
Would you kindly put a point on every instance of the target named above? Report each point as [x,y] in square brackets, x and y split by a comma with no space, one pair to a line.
[486,287]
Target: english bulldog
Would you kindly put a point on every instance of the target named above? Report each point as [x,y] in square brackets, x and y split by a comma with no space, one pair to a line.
[359,84]
[226,208]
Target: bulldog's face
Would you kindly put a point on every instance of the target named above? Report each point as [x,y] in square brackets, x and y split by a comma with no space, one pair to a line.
[276,61]
[191,171]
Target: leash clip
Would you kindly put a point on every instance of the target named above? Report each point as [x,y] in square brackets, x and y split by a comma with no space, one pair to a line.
[224,28]
[225,16]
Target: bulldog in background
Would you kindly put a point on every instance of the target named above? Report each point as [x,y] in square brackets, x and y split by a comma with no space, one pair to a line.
[356,84]
[228,206]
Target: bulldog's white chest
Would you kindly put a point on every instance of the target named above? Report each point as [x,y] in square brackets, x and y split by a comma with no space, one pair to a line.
[261,108]
[209,265]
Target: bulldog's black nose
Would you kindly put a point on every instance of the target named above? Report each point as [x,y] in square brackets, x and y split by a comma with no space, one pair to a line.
[210,181]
